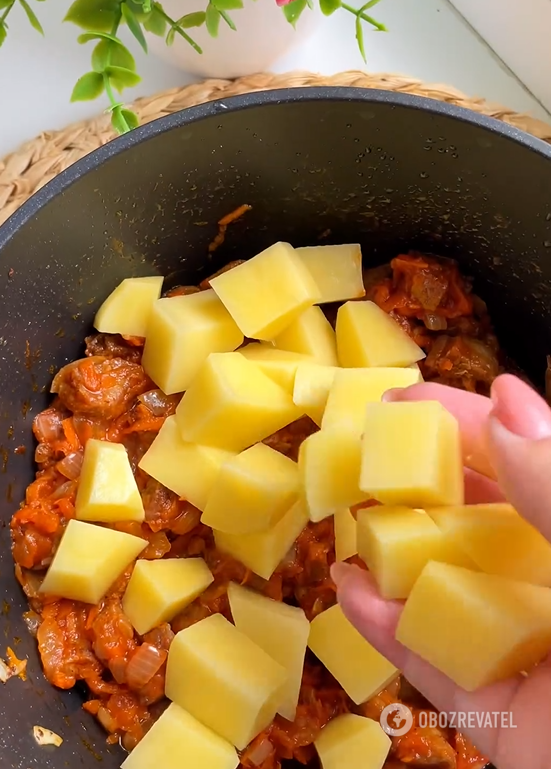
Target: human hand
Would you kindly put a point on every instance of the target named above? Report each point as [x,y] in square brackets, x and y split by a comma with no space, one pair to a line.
[506,443]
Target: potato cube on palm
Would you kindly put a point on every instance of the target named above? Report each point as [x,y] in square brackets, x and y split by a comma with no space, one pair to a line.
[346,544]
[279,365]
[268,292]
[359,668]
[263,551]
[367,336]
[187,469]
[128,308]
[89,560]
[107,490]
[232,404]
[476,628]
[352,742]
[252,492]
[354,388]
[498,540]
[337,271]
[182,332]
[159,590]
[310,334]
[177,740]
[411,455]
[396,543]
[280,630]
[224,679]
[329,462]
[312,385]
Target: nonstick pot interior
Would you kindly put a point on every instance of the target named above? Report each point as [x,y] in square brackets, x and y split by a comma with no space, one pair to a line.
[320,165]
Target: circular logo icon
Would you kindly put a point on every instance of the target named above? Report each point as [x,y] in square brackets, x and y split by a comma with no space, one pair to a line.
[396,719]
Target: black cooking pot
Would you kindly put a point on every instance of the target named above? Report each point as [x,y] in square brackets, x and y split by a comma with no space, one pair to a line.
[317,165]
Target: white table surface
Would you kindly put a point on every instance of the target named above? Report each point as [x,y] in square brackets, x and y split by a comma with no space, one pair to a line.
[427,39]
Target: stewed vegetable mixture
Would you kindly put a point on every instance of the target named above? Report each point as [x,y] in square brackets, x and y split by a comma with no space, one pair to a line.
[108,396]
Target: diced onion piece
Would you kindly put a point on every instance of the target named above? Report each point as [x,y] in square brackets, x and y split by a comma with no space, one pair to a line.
[46,736]
[71,465]
[143,665]
[158,403]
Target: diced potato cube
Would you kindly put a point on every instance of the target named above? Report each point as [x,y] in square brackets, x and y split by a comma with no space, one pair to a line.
[312,385]
[367,336]
[107,490]
[263,552]
[498,540]
[352,742]
[345,535]
[127,309]
[188,469]
[354,388]
[232,404]
[329,462]
[411,455]
[159,590]
[253,491]
[310,334]
[88,560]
[268,292]
[396,543]
[281,630]
[279,365]
[357,666]
[182,332]
[476,628]
[337,271]
[177,740]
[224,679]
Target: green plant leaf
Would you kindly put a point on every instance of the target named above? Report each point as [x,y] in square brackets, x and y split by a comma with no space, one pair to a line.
[6,4]
[133,25]
[360,37]
[121,77]
[212,20]
[87,36]
[131,118]
[31,15]
[192,20]
[170,37]
[155,23]
[294,10]
[3,33]
[137,9]
[88,87]
[329,6]
[96,15]
[108,53]
[228,5]
[229,21]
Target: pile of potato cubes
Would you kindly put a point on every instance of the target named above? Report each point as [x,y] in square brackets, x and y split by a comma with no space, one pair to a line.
[475,577]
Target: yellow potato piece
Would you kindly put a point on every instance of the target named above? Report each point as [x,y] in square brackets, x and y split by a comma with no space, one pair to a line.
[263,552]
[280,630]
[345,535]
[279,365]
[107,490]
[357,666]
[352,742]
[128,308]
[188,469]
[252,492]
[182,332]
[476,628]
[232,404]
[498,540]
[159,590]
[354,388]
[224,679]
[177,741]
[88,560]
[310,334]
[396,543]
[337,271]
[329,463]
[268,292]
[312,385]
[411,455]
[367,336]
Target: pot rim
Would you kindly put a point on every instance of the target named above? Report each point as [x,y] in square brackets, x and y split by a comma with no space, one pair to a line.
[218,107]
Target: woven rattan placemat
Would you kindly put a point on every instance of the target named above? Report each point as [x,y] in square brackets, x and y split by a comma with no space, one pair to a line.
[39,160]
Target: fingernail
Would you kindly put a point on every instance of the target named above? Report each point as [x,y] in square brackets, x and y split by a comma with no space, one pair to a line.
[391,395]
[520,409]
[339,571]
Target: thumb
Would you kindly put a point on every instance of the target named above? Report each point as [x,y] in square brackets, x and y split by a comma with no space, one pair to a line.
[519,445]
